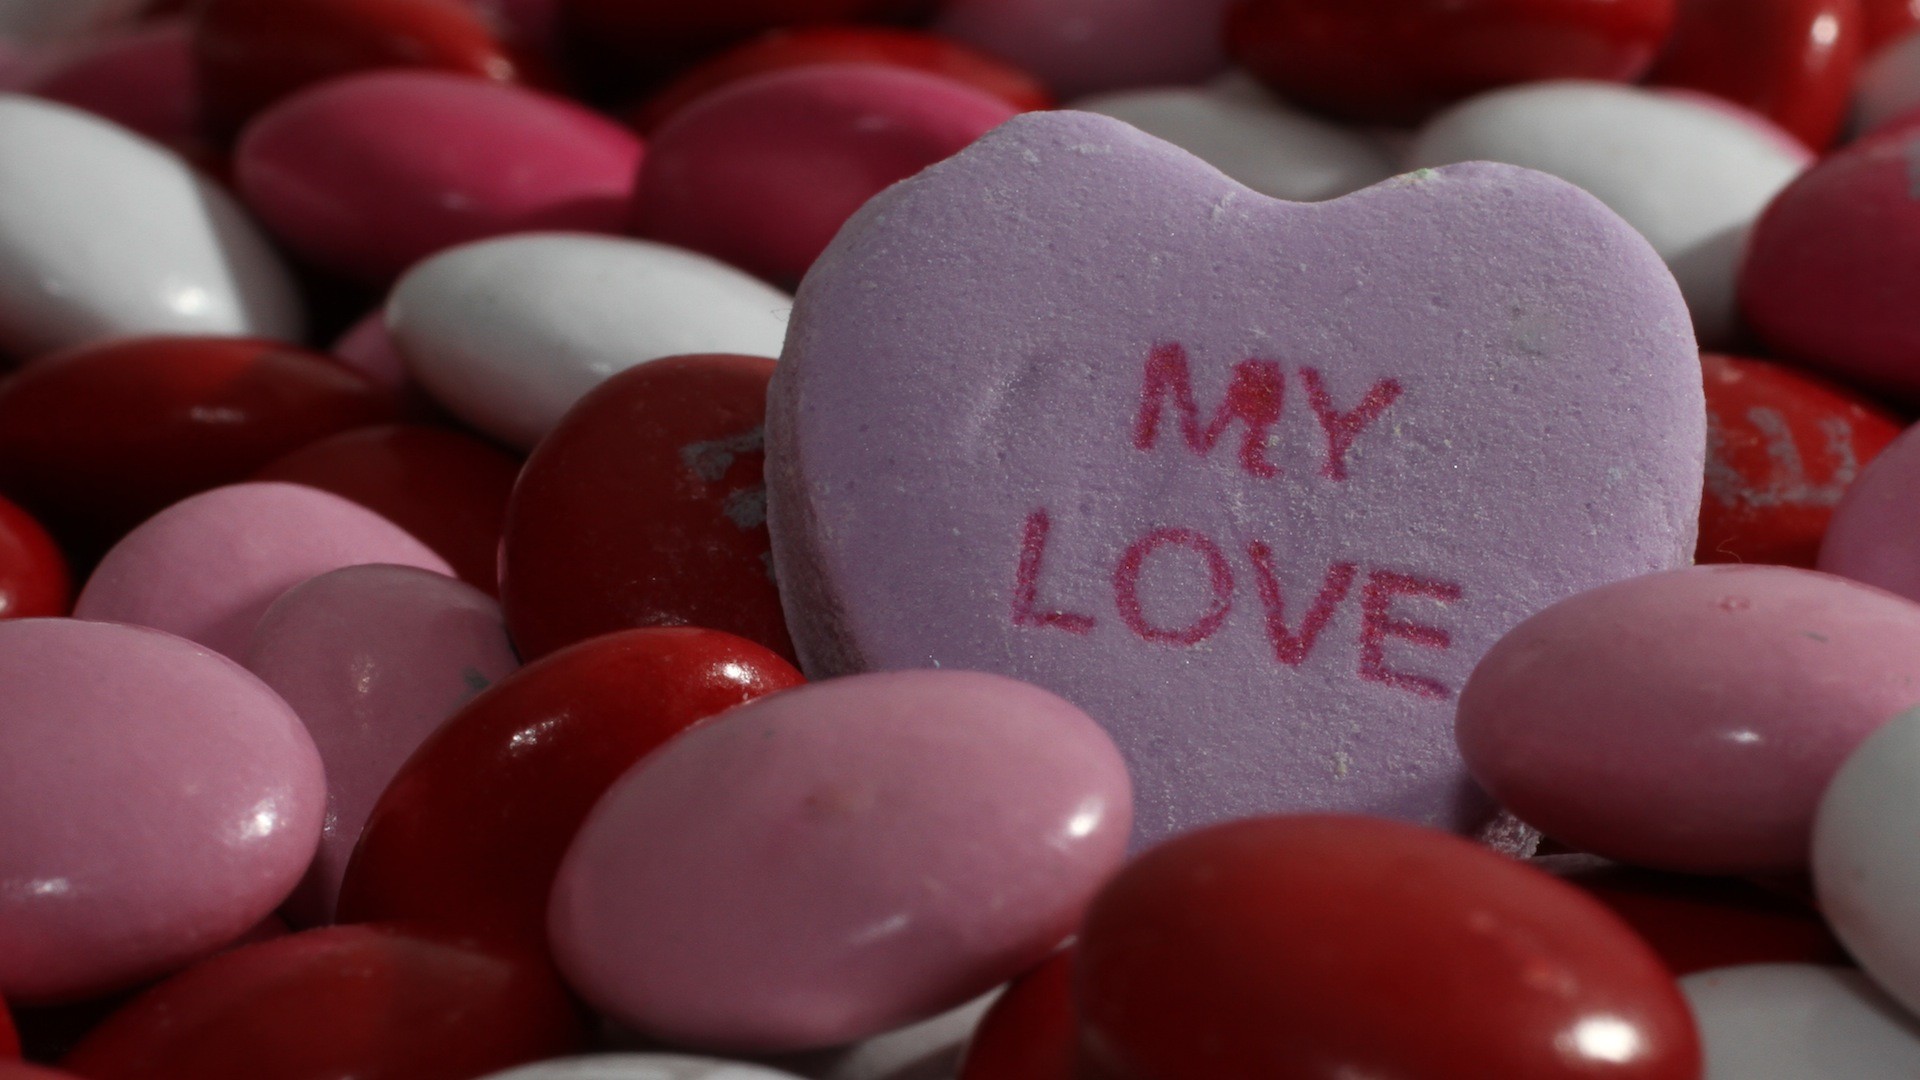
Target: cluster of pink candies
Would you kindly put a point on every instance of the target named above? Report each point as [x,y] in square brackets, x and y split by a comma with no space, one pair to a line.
[1234,474]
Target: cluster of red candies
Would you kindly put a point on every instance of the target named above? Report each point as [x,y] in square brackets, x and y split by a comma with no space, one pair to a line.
[279,397]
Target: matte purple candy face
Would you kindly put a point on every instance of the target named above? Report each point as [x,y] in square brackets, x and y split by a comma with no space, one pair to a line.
[1253,483]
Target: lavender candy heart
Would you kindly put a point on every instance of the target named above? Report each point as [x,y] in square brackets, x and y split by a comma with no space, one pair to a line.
[1254,483]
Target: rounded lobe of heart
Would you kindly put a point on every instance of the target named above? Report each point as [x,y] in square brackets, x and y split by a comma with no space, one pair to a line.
[1254,483]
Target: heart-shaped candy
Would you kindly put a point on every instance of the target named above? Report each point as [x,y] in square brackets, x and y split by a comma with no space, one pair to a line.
[1254,483]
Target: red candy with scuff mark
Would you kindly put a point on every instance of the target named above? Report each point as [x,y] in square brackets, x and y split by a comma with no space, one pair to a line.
[472,829]
[1792,61]
[646,507]
[1396,61]
[1298,948]
[448,489]
[1782,447]
[367,1002]
[813,46]
[97,439]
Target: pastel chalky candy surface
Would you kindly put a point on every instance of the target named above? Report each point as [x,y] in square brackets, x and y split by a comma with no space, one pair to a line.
[1690,172]
[207,567]
[374,659]
[838,860]
[1690,720]
[1875,535]
[1795,1021]
[641,1067]
[104,234]
[156,800]
[1254,483]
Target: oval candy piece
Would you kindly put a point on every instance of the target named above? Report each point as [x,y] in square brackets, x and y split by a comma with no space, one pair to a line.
[157,801]
[373,659]
[1794,1021]
[641,1067]
[1875,534]
[762,173]
[1251,509]
[34,581]
[1031,1032]
[207,567]
[370,1002]
[1691,174]
[509,333]
[1690,720]
[1830,265]
[811,46]
[448,489]
[1089,46]
[100,438]
[250,54]
[471,830]
[646,506]
[1784,446]
[1263,947]
[1866,864]
[369,174]
[106,235]
[1396,63]
[1792,61]
[839,860]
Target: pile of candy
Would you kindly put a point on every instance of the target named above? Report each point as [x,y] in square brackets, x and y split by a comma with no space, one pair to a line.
[1238,532]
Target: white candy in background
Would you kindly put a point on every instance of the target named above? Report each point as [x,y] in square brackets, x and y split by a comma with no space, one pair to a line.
[1888,85]
[1690,174]
[507,334]
[49,20]
[1255,139]
[1866,856]
[104,234]
[640,1067]
[1799,1022]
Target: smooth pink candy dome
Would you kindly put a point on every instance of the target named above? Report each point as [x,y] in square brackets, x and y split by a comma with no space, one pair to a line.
[156,800]
[369,174]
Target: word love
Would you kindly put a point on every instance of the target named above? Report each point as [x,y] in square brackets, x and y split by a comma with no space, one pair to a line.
[1291,647]
[1255,397]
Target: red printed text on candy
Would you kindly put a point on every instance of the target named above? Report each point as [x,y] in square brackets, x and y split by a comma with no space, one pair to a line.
[1293,625]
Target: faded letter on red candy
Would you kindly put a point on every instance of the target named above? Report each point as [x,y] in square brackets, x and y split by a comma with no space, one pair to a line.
[1253,483]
